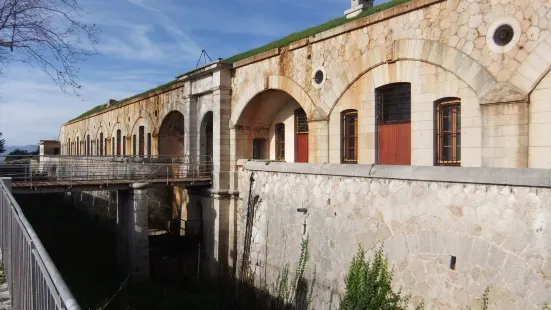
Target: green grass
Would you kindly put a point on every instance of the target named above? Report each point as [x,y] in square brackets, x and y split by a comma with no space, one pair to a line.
[297,36]
[294,37]
[102,107]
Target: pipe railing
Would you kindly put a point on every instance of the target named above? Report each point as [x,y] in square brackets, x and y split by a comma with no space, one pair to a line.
[33,280]
[50,168]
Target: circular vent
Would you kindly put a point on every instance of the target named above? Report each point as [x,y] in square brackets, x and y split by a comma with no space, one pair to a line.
[318,77]
[503,35]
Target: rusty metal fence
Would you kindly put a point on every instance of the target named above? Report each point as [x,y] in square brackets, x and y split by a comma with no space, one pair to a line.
[33,280]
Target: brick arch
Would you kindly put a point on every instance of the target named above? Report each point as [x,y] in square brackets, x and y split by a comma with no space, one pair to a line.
[282,83]
[432,52]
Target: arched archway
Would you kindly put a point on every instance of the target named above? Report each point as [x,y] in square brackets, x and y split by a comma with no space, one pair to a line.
[273,125]
[205,138]
[172,135]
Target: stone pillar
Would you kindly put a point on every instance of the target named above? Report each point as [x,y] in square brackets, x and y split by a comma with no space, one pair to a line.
[318,142]
[132,231]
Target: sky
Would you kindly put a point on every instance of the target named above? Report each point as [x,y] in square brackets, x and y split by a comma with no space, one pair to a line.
[145,43]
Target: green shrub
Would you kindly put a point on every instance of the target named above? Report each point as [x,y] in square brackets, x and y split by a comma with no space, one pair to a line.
[369,285]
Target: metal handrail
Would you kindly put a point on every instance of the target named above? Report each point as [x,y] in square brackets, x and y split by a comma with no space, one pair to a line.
[66,169]
[33,279]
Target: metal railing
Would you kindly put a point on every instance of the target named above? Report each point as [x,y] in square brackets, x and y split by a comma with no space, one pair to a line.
[33,280]
[50,168]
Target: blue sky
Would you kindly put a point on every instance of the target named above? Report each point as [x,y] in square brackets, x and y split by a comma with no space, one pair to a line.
[145,43]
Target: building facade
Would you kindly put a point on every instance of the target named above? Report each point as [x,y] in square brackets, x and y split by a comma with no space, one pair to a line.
[424,83]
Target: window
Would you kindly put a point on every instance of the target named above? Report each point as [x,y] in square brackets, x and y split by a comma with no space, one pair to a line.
[78,145]
[349,135]
[134,145]
[394,103]
[448,132]
[124,146]
[105,146]
[88,145]
[149,144]
[113,146]
[69,146]
[119,142]
[258,148]
[280,141]
[142,140]
[101,143]
[97,146]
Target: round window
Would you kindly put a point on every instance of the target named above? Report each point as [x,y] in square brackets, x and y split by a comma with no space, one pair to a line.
[503,34]
[318,77]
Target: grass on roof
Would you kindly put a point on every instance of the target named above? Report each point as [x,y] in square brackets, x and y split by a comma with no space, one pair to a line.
[294,37]
[297,36]
[102,107]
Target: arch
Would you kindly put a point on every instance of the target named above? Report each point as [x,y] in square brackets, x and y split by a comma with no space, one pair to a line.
[171,136]
[433,52]
[145,119]
[281,83]
[534,68]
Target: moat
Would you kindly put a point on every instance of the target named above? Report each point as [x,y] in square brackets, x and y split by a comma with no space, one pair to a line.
[83,248]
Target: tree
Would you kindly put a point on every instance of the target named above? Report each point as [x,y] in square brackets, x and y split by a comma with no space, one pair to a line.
[2,144]
[47,34]
[20,154]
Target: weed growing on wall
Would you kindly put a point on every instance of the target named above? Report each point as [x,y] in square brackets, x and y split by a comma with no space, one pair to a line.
[485,298]
[288,292]
[369,285]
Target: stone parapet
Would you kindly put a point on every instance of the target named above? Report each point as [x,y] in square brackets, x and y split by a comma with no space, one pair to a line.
[494,176]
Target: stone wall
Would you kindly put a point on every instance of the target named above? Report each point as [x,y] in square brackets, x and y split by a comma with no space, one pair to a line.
[496,222]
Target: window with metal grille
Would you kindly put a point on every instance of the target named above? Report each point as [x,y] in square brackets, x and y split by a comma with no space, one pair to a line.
[134,145]
[149,144]
[101,143]
[280,141]
[349,134]
[448,132]
[301,122]
[394,103]
[123,146]
[258,148]
[119,142]
[142,140]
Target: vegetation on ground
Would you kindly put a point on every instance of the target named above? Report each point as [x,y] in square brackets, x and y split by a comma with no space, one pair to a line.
[2,144]
[19,154]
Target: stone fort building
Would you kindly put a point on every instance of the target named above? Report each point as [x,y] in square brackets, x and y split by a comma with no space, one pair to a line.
[387,125]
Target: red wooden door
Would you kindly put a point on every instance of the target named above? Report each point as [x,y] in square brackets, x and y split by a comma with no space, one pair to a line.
[301,155]
[395,144]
